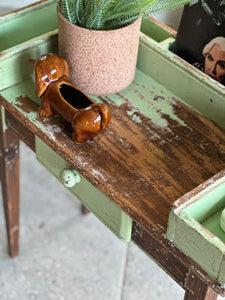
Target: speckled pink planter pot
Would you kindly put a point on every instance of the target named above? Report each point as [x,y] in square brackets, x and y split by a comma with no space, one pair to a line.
[101,61]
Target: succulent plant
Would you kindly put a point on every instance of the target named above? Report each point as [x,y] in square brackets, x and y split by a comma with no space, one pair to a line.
[112,14]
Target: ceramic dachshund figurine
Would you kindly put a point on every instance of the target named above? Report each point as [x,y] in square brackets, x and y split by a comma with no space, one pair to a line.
[60,96]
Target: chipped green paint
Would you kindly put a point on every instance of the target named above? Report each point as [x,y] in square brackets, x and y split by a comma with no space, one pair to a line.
[4,125]
[35,119]
[196,243]
[156,62]
[193,87]
[136,118]
[166,43]
[147,97]
[194,228]
[159,65]
[24,91]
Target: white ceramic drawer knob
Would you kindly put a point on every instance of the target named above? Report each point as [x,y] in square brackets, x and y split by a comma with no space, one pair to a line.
[70,178]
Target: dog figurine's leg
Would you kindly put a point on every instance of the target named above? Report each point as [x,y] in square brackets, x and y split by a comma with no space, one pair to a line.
[46,110]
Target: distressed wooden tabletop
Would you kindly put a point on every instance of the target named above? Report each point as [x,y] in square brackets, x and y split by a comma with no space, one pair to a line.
[154,150]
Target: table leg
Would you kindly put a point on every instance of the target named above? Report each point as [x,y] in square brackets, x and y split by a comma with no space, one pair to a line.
[84,210]
[198,290]
[9,174]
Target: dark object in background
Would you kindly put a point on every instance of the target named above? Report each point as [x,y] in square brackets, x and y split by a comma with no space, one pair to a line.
[202,20]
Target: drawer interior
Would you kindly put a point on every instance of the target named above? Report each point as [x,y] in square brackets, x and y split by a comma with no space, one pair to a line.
[207,211]
[194,226]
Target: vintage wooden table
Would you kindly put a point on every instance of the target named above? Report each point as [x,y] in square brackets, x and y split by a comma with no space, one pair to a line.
[155,176]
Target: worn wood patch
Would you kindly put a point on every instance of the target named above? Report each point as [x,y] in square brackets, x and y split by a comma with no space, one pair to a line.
[180,267]
[198,290]
[154,150]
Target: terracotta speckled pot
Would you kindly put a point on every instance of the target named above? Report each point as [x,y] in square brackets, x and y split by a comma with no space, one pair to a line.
[101,61]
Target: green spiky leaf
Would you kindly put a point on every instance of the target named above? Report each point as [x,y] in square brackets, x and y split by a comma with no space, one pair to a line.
[67,8]
[111,14]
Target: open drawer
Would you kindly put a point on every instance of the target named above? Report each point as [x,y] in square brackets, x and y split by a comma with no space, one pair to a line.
[194,226]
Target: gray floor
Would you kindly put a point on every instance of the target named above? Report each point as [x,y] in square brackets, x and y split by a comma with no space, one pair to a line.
[65,255]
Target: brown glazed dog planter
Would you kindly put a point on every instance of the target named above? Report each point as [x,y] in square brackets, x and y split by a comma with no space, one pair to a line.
[101,61]
[60,96]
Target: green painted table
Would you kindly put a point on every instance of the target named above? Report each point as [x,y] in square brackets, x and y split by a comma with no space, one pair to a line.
[165,139]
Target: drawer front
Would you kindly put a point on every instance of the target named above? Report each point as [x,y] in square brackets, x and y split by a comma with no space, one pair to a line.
[102,207]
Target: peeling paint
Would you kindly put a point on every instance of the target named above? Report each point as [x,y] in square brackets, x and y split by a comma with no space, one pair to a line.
[149,98]
[193,227]
[33,116]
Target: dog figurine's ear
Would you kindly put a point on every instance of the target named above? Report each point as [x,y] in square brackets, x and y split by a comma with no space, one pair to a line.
[49,68]
[60,96]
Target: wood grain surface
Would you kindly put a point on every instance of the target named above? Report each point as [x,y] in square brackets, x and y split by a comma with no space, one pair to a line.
[143,161]
[198,290]
[154,150]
